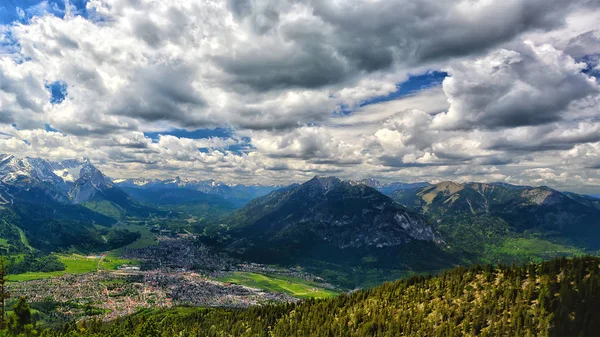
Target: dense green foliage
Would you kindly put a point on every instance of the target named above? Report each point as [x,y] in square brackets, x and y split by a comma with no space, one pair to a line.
[12,239]
[556,298]
[56,227]
[33,262]
[21,322]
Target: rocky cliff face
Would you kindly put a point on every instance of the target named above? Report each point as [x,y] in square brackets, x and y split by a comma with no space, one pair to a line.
[90,183]
[70,181]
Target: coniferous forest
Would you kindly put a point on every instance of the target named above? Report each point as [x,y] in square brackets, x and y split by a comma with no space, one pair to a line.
[560,297]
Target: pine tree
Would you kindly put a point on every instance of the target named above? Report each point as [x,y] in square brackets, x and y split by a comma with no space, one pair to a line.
[4,295]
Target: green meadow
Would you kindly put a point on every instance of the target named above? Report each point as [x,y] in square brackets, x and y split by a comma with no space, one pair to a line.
[79,264]
[275,283]
[74,263]
[530,249]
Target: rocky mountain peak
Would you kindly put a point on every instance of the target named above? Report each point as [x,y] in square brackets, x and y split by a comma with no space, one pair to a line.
[326,183]
[329,211]
[371,183]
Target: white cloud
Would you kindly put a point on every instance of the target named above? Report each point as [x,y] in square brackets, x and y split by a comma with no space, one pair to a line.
[533,85]
[282,75]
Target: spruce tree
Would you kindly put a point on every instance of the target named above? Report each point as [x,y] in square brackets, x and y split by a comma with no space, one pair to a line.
[4,295]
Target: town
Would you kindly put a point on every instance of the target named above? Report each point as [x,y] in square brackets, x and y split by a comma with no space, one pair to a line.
[178,270]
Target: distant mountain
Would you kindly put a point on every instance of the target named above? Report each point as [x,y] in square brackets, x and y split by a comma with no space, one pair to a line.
[473,214]
[236,194]
[326,219]
[389,188]
[27,173]
[183,200]
[71,181]
[59,204]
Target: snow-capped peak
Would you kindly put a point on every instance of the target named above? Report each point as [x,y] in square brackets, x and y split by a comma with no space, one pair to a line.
[71,170]
[133,181]
[14,170]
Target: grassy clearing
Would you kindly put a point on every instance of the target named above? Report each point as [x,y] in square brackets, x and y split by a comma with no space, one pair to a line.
[532,249]
[24,238]
[289,285]
[75,264]
[113,260]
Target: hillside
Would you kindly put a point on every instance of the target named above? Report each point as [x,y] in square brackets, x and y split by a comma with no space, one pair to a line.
[61,205]
[472,215]
[329,221]
[555,298]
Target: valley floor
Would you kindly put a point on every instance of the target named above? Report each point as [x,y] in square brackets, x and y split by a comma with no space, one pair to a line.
[176,270]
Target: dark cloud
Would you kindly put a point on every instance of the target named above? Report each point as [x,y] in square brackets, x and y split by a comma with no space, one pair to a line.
[532,85]
[398,162]
[6,117]
[162,92]
[25,91]
[545,140]
[339,40]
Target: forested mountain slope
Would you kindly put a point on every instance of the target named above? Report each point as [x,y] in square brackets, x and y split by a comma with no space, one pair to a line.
[342,222]
[473,216]
[555,298]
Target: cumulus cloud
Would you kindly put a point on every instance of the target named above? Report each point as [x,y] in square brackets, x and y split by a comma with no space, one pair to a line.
[206,64]
[298,82]
[509,88]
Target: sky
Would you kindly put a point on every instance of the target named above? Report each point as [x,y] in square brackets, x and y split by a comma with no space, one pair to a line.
[277,91]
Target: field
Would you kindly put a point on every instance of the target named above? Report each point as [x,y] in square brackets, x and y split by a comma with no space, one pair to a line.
[289,285]
[75,264]
[79,264]
[531,250]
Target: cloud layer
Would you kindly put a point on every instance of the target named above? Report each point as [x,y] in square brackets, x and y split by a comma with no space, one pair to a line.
[297,83]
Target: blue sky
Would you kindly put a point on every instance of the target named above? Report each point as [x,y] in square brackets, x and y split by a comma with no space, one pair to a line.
[195,134]
[10,10]
[414,84]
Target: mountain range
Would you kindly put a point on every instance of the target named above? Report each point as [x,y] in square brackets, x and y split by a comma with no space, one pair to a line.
[389,188]
[332,212]
[66,182]
[61,204]
[324,222]
[237,194]
[333,227]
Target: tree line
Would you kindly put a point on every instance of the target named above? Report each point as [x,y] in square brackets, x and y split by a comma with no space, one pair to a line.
[560,297]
